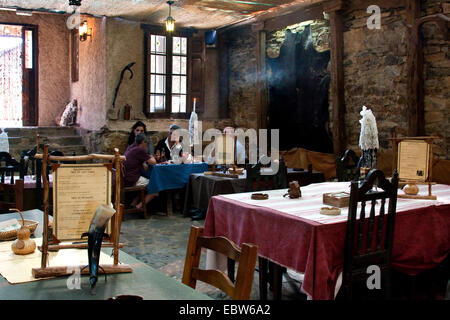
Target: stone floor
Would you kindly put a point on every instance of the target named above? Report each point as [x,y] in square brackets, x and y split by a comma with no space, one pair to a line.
[161,242]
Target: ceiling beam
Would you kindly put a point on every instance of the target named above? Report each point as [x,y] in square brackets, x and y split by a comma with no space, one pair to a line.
[310,13]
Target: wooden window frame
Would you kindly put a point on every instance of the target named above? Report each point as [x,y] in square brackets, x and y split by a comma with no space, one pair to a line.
[156,30]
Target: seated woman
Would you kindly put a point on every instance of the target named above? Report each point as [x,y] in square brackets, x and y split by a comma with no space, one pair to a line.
[137,156]
[140,127]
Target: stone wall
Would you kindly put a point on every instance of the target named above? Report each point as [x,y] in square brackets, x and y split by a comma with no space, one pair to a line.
[320,31]
[375,75]
[437,81]
[90,89]
[242,82]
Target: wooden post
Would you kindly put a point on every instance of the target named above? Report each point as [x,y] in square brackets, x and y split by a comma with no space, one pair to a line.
[45,232]
[261,83]
[117,215]
[337,77]
[414,64]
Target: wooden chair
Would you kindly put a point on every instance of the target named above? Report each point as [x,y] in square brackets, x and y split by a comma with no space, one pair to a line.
[369,239]
[347,168]
[246,257]
[269,272]
[8,166]
[11,196]
[259,182]
[141,190]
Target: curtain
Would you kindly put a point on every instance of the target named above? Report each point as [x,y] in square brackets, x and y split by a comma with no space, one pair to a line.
[10,76]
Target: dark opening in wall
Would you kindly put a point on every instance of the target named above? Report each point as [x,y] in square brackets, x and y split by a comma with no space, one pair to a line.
[298,92]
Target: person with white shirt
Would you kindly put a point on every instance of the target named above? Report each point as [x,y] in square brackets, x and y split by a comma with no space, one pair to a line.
[167,146]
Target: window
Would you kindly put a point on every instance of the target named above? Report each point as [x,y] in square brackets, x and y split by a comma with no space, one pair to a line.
[167,62]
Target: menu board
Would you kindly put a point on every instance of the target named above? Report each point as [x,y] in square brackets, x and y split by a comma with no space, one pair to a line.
[413,160]
[78,189]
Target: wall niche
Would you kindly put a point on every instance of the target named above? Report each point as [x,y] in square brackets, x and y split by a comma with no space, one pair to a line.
[299,79]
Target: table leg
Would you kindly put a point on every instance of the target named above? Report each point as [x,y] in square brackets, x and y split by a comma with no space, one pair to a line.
[277,281]
[169,203]
[262,278]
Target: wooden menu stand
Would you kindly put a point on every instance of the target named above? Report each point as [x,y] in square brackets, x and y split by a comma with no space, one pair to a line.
[428,177]
[113,241]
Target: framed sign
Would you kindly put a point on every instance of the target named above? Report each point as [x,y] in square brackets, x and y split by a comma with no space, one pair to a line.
[413,160]
[78,189]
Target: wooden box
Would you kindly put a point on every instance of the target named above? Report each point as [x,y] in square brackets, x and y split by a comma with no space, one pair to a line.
[337,199]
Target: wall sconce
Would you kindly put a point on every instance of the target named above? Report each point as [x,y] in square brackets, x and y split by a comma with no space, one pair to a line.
[170,22]
[84,31]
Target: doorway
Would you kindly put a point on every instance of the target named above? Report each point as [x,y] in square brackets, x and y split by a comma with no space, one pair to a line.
[18,75]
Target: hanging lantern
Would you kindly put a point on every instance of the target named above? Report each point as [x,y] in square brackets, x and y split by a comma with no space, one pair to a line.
[170,22]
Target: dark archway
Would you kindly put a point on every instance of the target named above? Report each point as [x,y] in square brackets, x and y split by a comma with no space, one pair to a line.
[298,94]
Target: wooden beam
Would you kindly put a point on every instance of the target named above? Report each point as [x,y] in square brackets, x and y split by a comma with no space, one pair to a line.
[414,62]
[261,83]
[310,13]
[383,4]
[333,5]
[337,82]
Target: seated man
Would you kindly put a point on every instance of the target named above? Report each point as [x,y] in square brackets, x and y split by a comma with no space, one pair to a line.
[238,151]
[165,147]
[136,157]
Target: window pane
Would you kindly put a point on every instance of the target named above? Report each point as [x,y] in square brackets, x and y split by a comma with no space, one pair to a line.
[157,103]
[183,65]
[184,46]
[183,84]
[176,84]
[176,45]
[176,67]
[158,64]
[157,84]
[29,49]
[158,44]
[178,103]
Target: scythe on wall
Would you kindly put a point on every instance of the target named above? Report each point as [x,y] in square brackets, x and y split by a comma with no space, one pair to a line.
[127,68]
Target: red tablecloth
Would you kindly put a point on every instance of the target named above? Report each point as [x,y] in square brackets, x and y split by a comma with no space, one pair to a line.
[293,236]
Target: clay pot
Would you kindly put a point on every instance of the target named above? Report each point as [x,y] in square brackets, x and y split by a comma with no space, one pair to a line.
[411,189]
[23,244]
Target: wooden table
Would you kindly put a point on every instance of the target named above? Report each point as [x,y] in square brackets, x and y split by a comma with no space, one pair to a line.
[293,234]
[144,281]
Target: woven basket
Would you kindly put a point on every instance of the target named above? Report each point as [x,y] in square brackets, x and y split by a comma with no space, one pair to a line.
[12,234]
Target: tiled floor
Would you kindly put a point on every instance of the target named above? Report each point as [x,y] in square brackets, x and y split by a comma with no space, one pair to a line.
[161,241]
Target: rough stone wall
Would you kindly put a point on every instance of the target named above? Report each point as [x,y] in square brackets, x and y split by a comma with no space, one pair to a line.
[375,75]
[437,80]
[54,72]
[320,31]
[90,89]
[242,82]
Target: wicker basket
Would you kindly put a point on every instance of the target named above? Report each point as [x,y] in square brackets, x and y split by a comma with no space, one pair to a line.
[12,234]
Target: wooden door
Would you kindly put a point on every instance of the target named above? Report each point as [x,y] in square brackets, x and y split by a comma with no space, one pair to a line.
[30,76]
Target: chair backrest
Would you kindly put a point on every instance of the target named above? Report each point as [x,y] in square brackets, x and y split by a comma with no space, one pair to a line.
[8,166]
[246,257]
[369,239]
[347,168]
[257,181]
[11,196]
